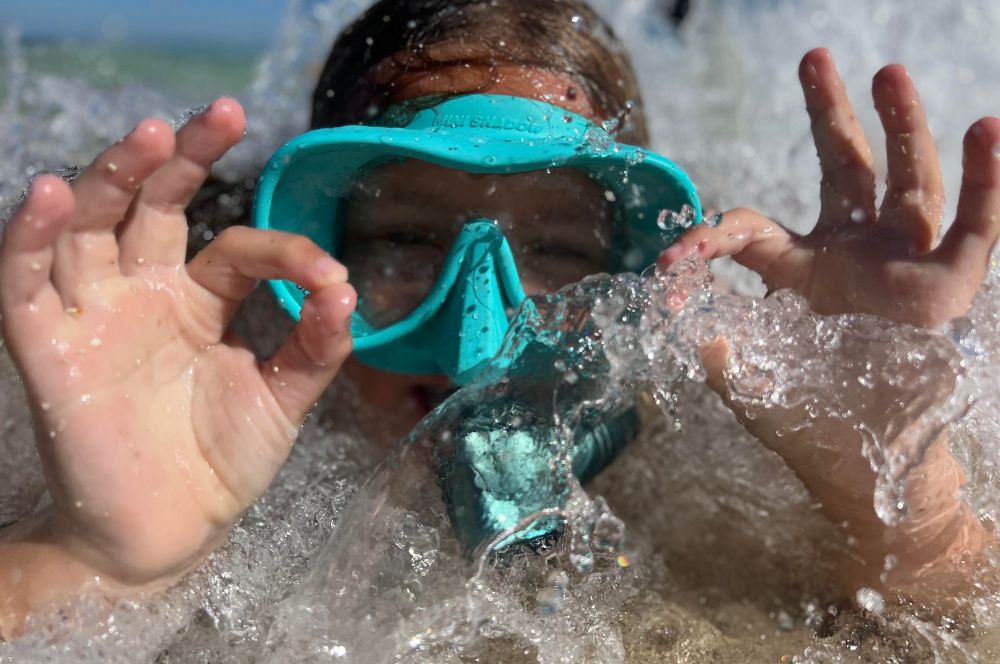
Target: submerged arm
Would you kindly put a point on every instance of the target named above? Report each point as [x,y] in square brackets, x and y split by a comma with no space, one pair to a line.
[935,552]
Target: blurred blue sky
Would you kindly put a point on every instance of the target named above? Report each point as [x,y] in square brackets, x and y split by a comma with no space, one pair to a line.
[226,23]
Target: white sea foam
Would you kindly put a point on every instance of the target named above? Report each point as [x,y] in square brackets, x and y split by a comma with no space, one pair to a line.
[722,541]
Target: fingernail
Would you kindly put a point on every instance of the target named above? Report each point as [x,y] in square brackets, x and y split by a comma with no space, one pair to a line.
[328,267]
[345,323]
[337,325]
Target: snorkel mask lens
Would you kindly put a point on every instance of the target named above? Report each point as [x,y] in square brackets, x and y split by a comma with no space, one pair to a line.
[306,184]
[462,309]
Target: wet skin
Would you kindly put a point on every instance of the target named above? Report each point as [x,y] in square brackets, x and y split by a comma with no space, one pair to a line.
[157,436]
[859,259]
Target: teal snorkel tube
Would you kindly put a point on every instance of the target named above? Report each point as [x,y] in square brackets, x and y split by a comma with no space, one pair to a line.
[489,477]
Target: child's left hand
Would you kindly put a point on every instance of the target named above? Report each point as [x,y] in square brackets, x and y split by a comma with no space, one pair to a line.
[857,259]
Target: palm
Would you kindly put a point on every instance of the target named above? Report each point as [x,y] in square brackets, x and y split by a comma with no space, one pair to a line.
[117,398]
[156,429]
[859,259]
[870,270]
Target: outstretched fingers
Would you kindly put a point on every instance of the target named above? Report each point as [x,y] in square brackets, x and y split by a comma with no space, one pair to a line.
[26,257]
[848,184]
[156,231]
[87,251]
[970,241]
[914,194]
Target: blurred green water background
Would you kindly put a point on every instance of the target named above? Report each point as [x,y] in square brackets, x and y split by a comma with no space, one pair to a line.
[190,74]
[190,50]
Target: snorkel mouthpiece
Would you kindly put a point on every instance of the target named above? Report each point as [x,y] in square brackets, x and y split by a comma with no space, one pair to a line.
[477,289]
[498,480]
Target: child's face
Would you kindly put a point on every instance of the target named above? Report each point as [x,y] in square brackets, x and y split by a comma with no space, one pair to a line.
[565,242]
[403,219]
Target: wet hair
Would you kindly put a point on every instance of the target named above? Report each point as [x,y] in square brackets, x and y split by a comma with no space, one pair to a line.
[564,36]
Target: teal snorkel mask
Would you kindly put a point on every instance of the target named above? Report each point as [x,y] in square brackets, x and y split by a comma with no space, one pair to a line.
[459,326]
[494,474]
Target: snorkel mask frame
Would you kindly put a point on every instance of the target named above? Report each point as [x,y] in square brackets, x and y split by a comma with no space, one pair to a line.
[305,185]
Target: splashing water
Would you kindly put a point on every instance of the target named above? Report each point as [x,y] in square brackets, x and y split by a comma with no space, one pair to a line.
[720,555]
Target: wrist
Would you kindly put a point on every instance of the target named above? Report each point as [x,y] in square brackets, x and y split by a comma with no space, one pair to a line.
[43,566]
[934,553]
[151,567]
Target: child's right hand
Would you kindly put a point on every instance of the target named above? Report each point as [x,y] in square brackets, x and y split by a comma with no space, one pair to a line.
[156,428]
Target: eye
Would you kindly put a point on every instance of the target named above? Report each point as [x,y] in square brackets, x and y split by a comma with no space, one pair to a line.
[406,237]
[557,250]
[409,237]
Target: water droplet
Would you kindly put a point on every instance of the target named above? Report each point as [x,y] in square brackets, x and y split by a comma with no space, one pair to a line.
[550,596]
[582,562]
[870,599]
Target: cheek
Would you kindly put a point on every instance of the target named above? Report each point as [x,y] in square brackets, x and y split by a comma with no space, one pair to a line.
[541,276]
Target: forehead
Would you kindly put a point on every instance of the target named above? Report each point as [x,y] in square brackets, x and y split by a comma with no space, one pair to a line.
[452,73]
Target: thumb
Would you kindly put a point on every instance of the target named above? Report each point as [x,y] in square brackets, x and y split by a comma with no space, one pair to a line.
[713,358]
[313,354]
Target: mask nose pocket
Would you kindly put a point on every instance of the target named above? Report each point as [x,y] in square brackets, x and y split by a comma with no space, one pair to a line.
[477,303]
[461,323]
